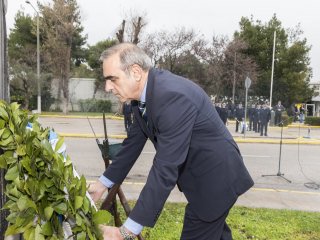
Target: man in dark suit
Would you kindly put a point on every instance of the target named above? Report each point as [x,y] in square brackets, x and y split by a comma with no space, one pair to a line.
[278,109]
[265,116]
[194,150]
[240,118]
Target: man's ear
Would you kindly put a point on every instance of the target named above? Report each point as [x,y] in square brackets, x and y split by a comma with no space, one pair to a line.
[136,72]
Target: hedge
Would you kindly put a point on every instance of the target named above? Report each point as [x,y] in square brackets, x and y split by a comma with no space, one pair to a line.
[313,121]
[94,105]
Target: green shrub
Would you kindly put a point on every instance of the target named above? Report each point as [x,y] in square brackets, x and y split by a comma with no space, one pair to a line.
[94,105]
[287,120]
[313,121]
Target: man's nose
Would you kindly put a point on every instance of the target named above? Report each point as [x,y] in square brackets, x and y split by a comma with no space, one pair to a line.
[109,86]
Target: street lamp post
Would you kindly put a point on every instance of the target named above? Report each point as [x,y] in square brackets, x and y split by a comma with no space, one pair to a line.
[38,59]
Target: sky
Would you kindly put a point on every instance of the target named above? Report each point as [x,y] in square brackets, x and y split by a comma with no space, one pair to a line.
[101,18]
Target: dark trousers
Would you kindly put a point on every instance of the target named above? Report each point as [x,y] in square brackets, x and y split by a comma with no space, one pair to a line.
[264,126]
[277,118]
[251,124]
[196,229]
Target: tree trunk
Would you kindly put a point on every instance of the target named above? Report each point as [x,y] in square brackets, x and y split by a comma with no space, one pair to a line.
[65,80]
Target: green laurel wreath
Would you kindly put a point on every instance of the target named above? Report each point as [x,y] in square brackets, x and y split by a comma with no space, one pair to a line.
[41,188]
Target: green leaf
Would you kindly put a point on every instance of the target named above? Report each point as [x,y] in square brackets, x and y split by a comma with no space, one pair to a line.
[11,160]
[59,144]
[3,163]
[101,217]
[81,236]
[12,230]
[79,220]
[14,107]
[21,150]
[6,142]
[29,233]
[47,229]
[48,211]
[61,208]
[78,201]
[12,173]
[14,192]
[2,124]
[83,186]
[24,203]
[37,234]
[26,164]
[11,126]
[5,133]
[86,204]
[3,114]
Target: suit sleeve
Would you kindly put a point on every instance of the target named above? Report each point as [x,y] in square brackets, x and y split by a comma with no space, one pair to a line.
[130,150]
[175,119]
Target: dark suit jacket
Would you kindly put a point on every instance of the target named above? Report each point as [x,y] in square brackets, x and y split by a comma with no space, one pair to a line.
[193,149]
[265,115]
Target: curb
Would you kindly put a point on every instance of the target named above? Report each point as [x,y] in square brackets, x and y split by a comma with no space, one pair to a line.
[300,140]
[81,117]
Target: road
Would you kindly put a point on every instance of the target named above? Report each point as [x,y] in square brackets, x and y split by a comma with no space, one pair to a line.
[300,163]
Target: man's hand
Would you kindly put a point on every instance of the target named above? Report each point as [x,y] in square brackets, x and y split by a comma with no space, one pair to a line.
[96,190]
[110,233]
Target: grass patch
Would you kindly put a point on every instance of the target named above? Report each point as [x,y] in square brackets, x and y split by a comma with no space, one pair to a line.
[245,223]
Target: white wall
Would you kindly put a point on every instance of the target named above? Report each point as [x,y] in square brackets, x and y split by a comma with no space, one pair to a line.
[80,89]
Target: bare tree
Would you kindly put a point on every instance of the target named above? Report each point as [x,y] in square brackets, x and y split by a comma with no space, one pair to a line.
[238,66]
[120,33]
[130,30]
[165,47]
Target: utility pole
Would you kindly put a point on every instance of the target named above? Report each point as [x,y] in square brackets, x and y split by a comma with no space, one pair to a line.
[272,68]
[4,95]
[234,77]
[4,80]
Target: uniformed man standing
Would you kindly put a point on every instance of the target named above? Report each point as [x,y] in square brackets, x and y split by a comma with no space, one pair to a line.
[278,109]
[239,117]
[265,116]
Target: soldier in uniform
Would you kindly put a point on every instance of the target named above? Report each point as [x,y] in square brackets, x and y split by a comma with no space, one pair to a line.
[265,116]
[251,111]
[224,113]
[239,117]
[256,122]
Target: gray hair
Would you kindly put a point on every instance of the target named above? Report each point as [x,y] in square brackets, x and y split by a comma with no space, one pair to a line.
[129,54]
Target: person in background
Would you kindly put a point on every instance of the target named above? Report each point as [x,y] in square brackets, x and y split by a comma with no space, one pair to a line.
[278,109]
[251,111]
[194,150]
[224,113]
[265,116]
[239,117]
[302,111]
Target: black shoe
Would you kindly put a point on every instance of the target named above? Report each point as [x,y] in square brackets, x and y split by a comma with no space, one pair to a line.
[266,135]
[261,134]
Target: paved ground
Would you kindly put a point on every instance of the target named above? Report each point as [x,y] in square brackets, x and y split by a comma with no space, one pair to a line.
[300,161]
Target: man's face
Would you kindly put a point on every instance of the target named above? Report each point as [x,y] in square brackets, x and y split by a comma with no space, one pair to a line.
[122,85]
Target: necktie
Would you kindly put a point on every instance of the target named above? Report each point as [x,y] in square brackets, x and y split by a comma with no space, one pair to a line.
[143,110]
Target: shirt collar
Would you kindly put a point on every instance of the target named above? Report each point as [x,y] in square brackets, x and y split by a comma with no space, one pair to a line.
[144,92]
